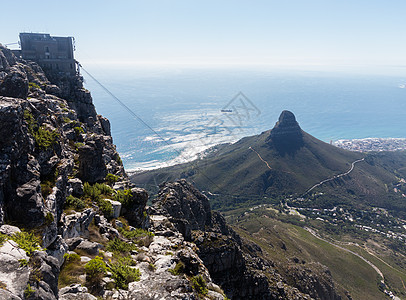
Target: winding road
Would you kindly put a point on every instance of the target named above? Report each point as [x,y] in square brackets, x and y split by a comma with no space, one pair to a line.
[335,176]
[312,232]
[377,270]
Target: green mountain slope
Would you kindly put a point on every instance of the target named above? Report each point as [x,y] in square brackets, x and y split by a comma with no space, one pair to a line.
[286,162]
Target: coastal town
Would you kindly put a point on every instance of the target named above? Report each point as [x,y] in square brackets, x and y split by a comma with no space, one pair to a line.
[372,144]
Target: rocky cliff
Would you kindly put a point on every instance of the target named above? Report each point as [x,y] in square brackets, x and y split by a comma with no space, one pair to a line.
[72,225]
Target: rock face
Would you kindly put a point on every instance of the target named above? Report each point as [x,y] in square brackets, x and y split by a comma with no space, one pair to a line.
[11,275]
[52,141]
[134,212]
[286,136]
[187,207]
[45,140]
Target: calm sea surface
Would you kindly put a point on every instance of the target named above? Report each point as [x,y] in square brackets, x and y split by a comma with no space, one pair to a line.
[183,107]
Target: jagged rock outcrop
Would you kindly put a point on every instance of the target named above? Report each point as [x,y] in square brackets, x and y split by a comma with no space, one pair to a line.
[286,136]
[187,207]
[134,210]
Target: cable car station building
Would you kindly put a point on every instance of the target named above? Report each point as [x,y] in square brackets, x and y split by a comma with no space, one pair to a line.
[52,53]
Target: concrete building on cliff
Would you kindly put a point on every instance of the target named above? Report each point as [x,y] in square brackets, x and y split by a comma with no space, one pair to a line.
[52,53]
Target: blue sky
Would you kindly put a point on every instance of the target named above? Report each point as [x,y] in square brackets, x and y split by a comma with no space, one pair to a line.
[285,32]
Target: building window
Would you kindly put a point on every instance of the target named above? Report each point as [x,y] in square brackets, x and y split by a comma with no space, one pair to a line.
[57,66]
[46,49]
[71,66]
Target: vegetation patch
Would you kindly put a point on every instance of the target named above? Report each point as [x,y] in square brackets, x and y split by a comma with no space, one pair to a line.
[78,130]
[106,207]
[3,238]
[71,269]
[151,267]
[67,120]
[49,218]
[111,179]
[199,285]
[33,85]
[96,191]
[78,145]
[140,236]
[74,203]
[95,270]
[28,291]
[123,274]
[27,241]
[178,269]
[120,247]
[45,138]
[125,197]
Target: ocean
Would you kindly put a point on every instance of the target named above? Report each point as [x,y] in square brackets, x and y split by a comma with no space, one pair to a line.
[185,111]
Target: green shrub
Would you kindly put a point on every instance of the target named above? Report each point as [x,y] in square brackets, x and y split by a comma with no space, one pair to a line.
[90,191]
[45,138]
[95,270]
[49,218]
[78,130]
[96,267]
[66,120]
[118,246]
[29,118]
[33,85]
[139,236]
[104,189]
[111,179]
[178,269]
[199,285]
[123,274]
[74,203]
[23,262]
[106,207]
[71,257]
[78,145]
[95,191]
[27,241]
[3,238]
[28,291]
[125,197]
[134,234]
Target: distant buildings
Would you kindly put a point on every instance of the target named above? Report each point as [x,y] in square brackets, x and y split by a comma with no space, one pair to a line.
[372,144]
[52,53]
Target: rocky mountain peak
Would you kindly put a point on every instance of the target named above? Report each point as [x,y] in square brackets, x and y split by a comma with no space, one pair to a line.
[287,135]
